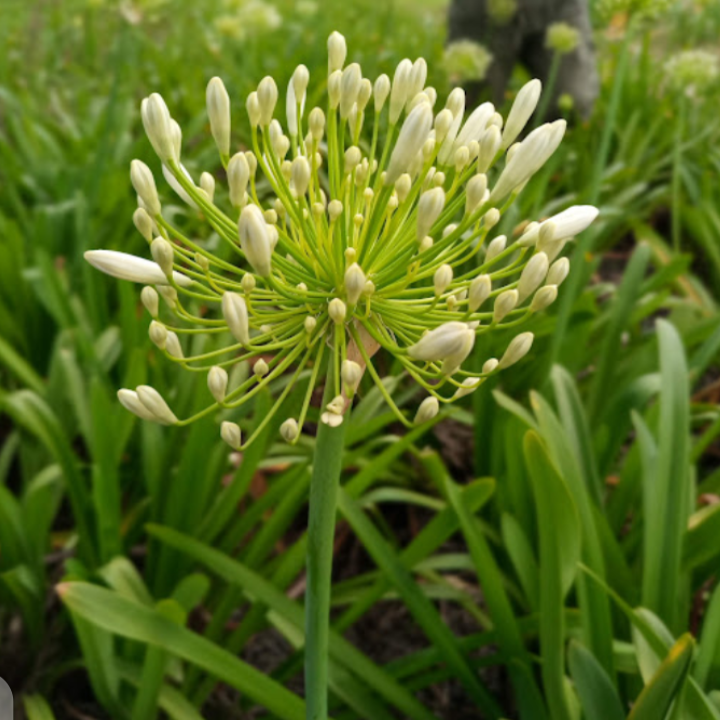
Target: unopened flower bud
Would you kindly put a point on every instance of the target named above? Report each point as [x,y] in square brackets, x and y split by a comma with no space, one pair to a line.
[517,349]
[337,311]
[335,209]
[558,271]
[155,404]
[449,339]
[491,218]
[532,275]
[352,159]
[469,385]
[238,174]
[505,302]
[218,109]
[381,90]
[349,88]
[217,381]
[316,121]
[544,297]
[130,401]
[207,185]
[143,181]
[425,244]
[488,148]
[480,289]
[428,409]
[144,223]
[132,268]
[402,187]
[475,191]
[310,324]
[351,374]
[157,122]
[289,430]
[412,136]
[300,175]
[400,88]
[267,95]
[334,89]
[173,346]
[442,279]
[337,52]
[158,334]
[230,432]
[253,109]
[354,283]
[163,254]
[261,368]
[248,283]
[150,300]
[430,206]
[255,239]
[522,109]
[235,312]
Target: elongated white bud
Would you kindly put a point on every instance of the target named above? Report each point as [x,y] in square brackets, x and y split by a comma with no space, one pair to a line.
[207,185]
[496,247]
[177,187]
[337,52]
[572,221]
[169,295]
[443,123]
[430,206]
[267,95]
[155,403]
[130,401]
[521,111]
[144,223]
[158,334]
[158,127]
[353,155]
[150,300]
[217,381]
[310,324]
[428,409]
[447,340]
[364,95]
[475,125]
[480,289]
[238,174]
[335,209]
[533,275]
[456,105]
[351,374]
[400,88]
[230,432]
[163,254]
[173,346]
[381,90]
[297,89]
[300,175]
[488,147]
[442,279]
[517,349]
[143,181]
[412,136]
[316,122]
[261,368]
[474,193]
[334,89]
[255,239]
[235,312]
[354,283]
[130,267]
[218,110]
[253,109]
[558,271]
[505,302]
[349,88]
[289,430]
[337,311]
[544,297]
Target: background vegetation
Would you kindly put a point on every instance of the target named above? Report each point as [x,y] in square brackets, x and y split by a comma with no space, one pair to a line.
[547,549]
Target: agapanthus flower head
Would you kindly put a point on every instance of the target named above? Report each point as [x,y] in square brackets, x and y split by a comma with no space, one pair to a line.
[466,61]
[502,11]
[561,37]
[691,72]
[358,246]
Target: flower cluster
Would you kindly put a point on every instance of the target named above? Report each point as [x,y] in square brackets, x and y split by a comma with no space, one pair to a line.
[562,38]
[466,60]
[692,71]
[385,244]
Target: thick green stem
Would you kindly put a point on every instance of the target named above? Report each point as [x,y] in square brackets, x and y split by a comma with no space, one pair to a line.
[327,465]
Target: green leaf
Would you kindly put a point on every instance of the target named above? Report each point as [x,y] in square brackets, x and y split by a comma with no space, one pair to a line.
[37,708]
[598,696]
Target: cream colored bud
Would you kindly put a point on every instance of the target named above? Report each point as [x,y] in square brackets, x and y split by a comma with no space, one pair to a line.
[289,430]
[130,401]
[235,312]
[299,81]
[462,158]
[238,174]
[132,268]
[496,247]
[416,100]
[155,404]
[449,229]
[428,409]
[544,297]
[335,209]
[572,221]
[505,302]
[532,275]
[300,175]
[218,110]
[517,349]
[351,374]
[337,52]
[430,206]
[217,381]
[267,95]
[448,340]
[158,334]
[456,102]
[442,279]
[402,187]
[558,271]
[163,254]
[253,109]
[349,88]
[158,127]
[443,122]
[207,185]
[251,161]
[150,300]
[451,302]
[271,216]
[260,368]
[369,289]
[144,223]
[392,203]
[488,148]
[475,125]
[143,181]
[438,179]
[491,218]
[469,385]
[331,419]
[521,111]
[334,89]
[173,346]
[336,405]
[316,121]
[169,295]
[255,239]
[310,324]
[364,95]
[352,159]
[474,193]
[479,292]
[354,283]
[337,311]
[400,88]
[381,91]
[230,432]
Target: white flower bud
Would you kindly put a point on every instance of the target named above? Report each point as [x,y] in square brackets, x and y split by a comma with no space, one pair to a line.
[253,109]
[496,247]
[521,111]
[488,148]
[230,432]
[144,223]
[443,122]
[491,218]
[532,275]
[400,88]
[469,385]
[572,221]
[251,161]
[173,346]
[157,123]
[428,409]
[218,110]
[450,339]
[255,239]
[413,135]
[517,349]
[369,288]
[337,311]
[331,419]
[337,52]
[475,125]
[155,404]
[299,82]
[489,366]
[335,209]
[336,405]
[267,95]
[430,206]
[289,430]
[462,157]
[349,88]
[544,297]
[480,289]
[334,89]
[474,193]
[207,185]
[351,374]
[364,94]
[505,302]
[143,181]
[261,368]
[558,271]
[163,254]
[425,244]
[129,267]
[310,324]
[130,401]
[316,122]
[150,300]
[442,279]
[238,175]
[456,105]
[402,187]
[354,283]
[158,334]
[300,175]
[352,159]
[381,90]
[235,312]
[217,381]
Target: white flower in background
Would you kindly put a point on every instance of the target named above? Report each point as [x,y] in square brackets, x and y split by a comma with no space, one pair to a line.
[466,60]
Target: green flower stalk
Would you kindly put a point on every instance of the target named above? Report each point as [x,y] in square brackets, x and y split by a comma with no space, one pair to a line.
[361,246]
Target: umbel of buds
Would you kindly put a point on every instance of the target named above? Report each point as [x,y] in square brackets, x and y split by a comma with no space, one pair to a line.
[359,245]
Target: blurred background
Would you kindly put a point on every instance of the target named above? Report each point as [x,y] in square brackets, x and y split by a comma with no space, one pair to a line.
[79,479]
